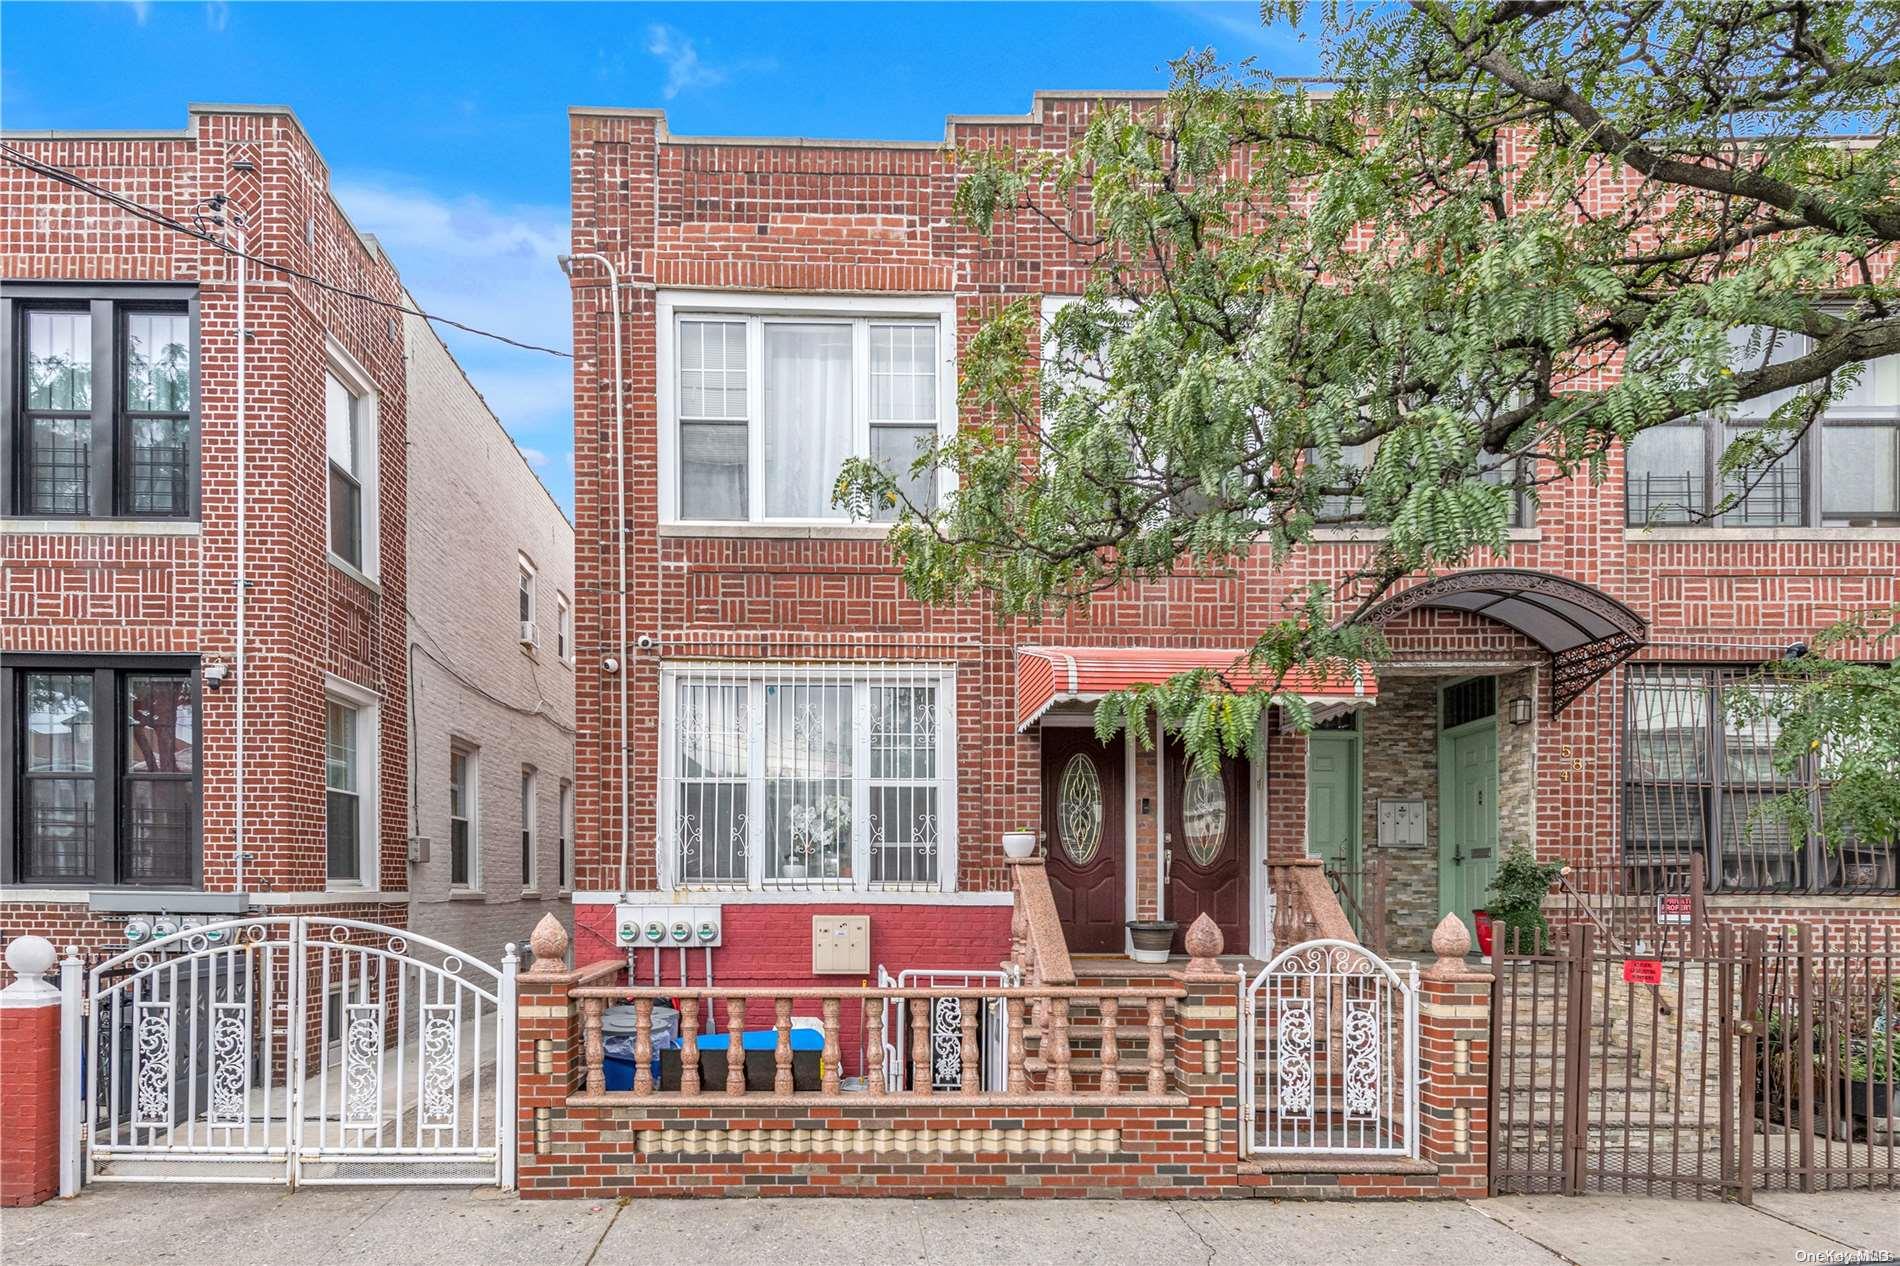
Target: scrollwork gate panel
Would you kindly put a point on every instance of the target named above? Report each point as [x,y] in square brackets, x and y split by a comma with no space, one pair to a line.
[299,1050]
[1330,1053]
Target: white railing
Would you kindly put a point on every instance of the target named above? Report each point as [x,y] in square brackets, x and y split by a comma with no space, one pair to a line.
[946,1026]
[1329,1053]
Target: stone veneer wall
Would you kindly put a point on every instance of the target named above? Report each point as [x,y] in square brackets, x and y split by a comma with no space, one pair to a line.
[1400,759]
[1400,755]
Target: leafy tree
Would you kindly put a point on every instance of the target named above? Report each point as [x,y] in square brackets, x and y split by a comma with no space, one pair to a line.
[1390,304]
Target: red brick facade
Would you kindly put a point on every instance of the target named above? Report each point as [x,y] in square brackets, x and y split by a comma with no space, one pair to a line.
[854,219]
[106,587]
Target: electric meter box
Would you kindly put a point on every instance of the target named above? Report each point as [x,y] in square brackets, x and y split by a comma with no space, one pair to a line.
[668,927]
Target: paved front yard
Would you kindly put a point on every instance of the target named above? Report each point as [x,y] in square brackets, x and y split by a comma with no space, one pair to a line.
[154,1225]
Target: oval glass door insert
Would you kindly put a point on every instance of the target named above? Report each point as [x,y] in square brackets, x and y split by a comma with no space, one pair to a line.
[1204,815]
[1079,810]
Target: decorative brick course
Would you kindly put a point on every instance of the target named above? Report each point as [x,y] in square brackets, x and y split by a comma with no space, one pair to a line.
[867,218]
[109,588]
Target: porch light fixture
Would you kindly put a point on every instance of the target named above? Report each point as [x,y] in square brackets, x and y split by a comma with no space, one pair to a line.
[1521,710]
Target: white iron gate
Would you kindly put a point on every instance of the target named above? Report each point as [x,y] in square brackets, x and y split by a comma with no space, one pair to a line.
[946,1027]
[300,1049]
[1329,1053]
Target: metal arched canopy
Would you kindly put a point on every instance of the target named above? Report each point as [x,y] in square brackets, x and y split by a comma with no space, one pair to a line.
[1587,632]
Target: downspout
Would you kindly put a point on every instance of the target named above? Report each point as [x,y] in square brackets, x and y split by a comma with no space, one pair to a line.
[620,488]
[241,665]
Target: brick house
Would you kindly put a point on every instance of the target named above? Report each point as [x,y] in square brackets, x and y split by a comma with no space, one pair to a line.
[491,679]
[768,723]
[152,777]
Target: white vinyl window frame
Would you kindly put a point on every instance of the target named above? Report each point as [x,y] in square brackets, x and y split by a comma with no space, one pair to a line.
[530,834]
[755,677]
[348,371]
[565,860]
[563,628]
[860,312]
[527,606]
[470,817]
[367,705]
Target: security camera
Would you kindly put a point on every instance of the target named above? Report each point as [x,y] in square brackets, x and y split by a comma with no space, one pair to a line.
[215,674]
[610,665]
[644,641]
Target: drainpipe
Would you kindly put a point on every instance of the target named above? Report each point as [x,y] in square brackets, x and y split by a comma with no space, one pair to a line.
[620,488]
[242,581]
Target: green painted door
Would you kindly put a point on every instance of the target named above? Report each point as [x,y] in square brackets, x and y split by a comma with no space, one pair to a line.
[1468,830]
[1332,798]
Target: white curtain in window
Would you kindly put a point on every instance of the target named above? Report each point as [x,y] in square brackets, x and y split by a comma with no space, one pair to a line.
[807,418]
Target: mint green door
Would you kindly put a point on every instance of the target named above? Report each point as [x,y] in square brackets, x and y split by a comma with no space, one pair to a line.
[1468,817]
[1332,798]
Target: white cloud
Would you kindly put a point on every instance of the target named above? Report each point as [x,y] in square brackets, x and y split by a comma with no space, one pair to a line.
[141,11]
[533,456]
[494,267]
[217,14]
[683,68]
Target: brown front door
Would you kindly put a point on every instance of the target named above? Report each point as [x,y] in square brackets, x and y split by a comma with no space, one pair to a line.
[1208,829]
[1083,836]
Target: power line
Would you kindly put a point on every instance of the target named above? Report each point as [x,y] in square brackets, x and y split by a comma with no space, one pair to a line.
[72,179]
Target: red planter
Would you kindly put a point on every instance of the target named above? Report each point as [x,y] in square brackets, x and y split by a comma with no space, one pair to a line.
[1483,919]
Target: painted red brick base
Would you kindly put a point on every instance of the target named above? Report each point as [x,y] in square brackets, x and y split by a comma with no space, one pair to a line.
[29,1104]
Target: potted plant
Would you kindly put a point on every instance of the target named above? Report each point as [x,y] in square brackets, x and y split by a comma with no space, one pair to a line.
[816,828]
[1151,938]
[1866,1064]
[1019,844]
[1516,905]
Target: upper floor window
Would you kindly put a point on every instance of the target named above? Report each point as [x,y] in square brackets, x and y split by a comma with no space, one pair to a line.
[103,772]
[769,396]
[524,600]
[563,627]
[102,410]
[350,441]
[1845,472]
[790,777]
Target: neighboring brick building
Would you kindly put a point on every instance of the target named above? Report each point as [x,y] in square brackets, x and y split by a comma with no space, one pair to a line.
[493,727]
[121,544]
[800,737]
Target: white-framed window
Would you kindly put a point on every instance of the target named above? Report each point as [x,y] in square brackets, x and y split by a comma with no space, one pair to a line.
[530,806]
[1845,472]
[465,853]
[764,397]
[565,859]
[524,599]
[350,745]
[350,443]
[834,777]
[563,628]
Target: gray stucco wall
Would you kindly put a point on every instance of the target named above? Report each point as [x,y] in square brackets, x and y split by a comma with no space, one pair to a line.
[475,508]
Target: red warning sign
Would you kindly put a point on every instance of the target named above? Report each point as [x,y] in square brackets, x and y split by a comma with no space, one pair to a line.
[1642,971]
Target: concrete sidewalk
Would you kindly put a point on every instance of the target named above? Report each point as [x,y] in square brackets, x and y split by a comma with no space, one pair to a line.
[241,1226]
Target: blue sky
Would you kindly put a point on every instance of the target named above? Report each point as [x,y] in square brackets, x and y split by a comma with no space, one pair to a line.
[445,130]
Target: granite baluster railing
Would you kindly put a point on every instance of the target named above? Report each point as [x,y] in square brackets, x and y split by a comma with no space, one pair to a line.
[1068,1007]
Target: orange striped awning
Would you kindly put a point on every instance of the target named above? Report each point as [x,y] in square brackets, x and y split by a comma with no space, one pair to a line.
[1048,675]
